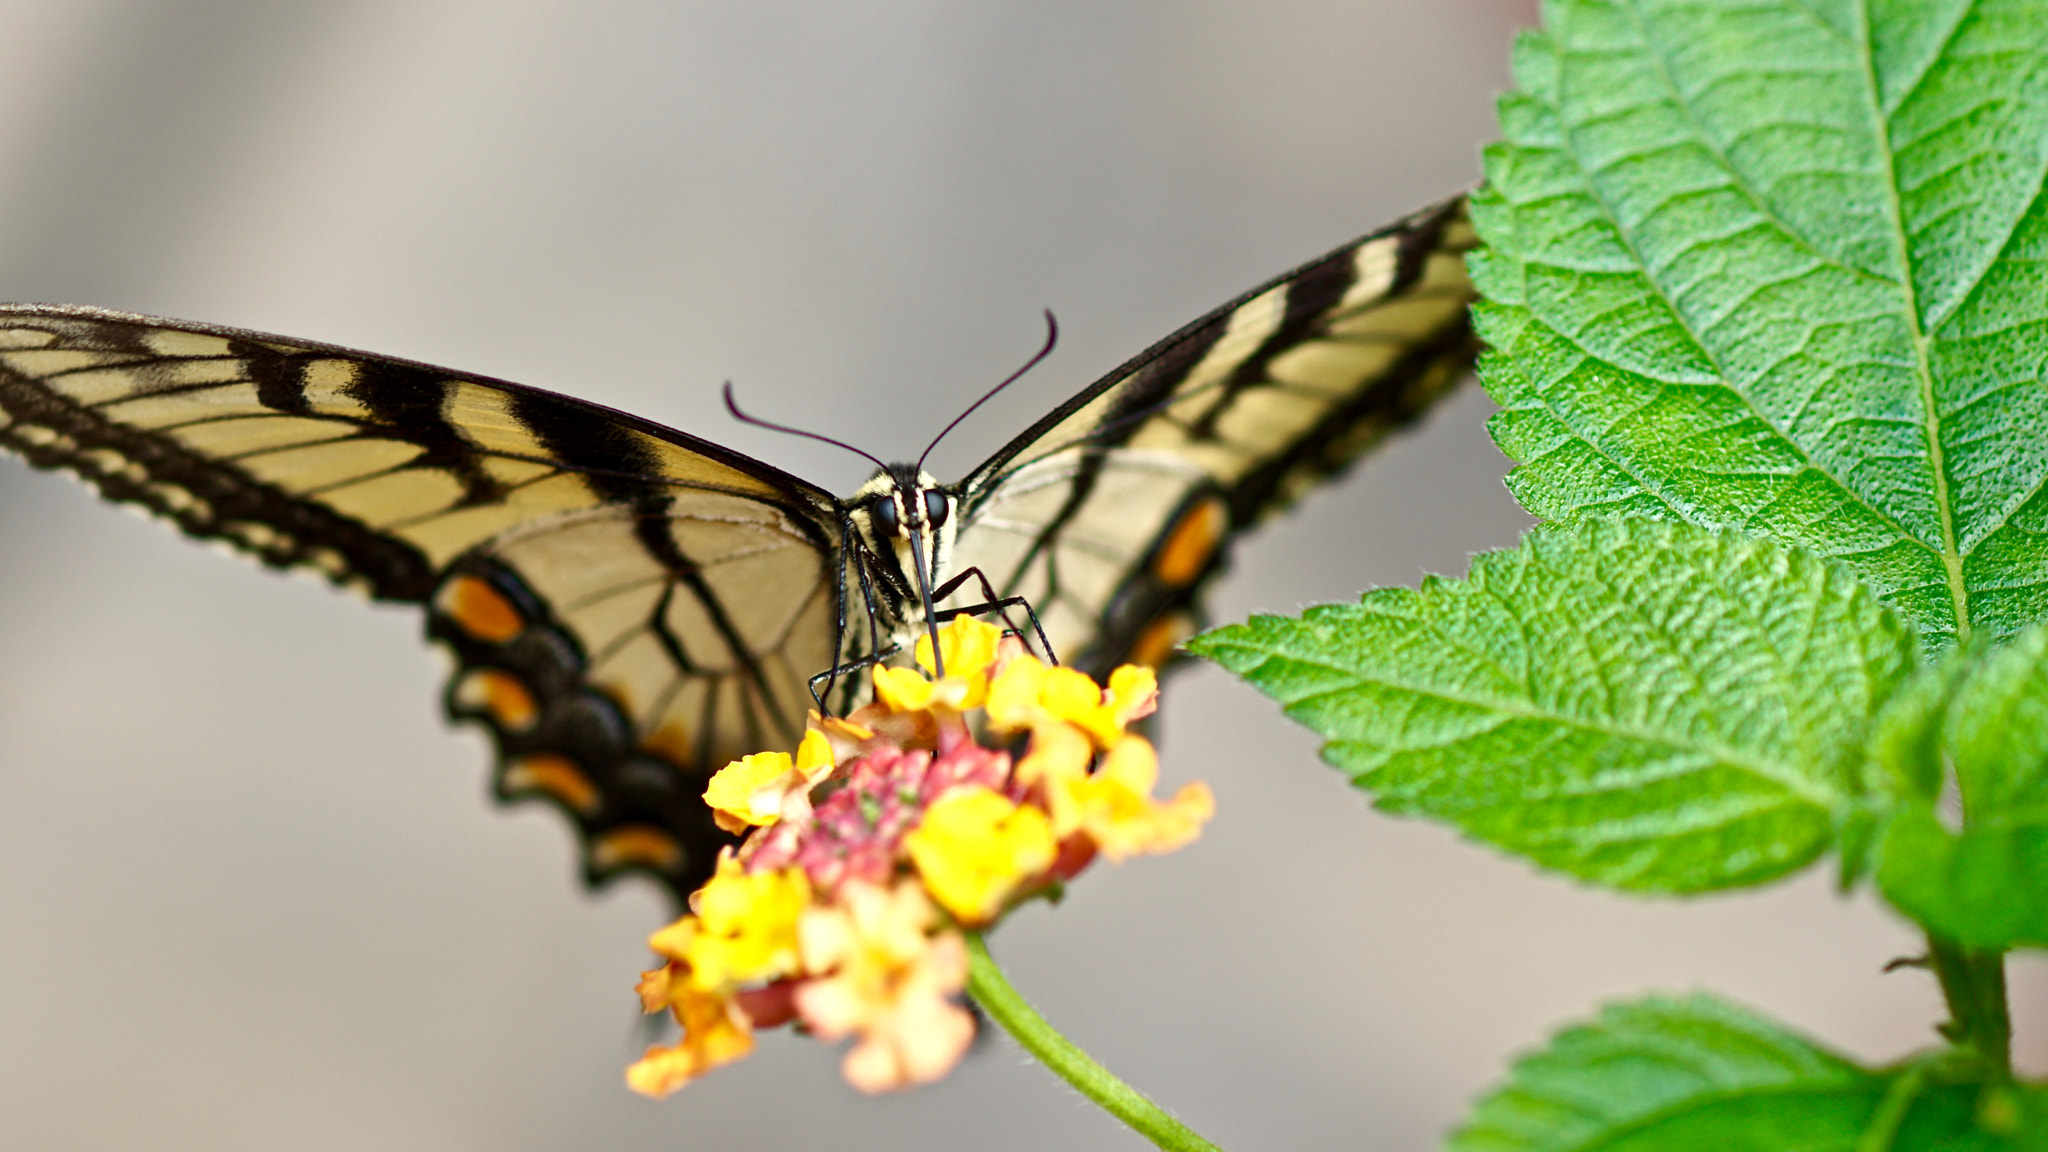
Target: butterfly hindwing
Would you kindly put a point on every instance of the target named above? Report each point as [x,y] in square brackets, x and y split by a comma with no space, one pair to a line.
[629,607]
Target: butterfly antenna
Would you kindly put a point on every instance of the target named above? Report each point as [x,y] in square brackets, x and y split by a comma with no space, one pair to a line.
[1052,337]
[733,407]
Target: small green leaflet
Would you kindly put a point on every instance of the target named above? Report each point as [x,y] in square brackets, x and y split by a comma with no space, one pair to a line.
[1775,267]
[1642,704]
[1698,1075]
[1984,885]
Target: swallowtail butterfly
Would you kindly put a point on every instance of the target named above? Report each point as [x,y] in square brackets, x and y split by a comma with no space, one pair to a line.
[630,606]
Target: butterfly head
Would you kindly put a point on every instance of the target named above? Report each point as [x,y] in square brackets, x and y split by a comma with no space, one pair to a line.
[904,520]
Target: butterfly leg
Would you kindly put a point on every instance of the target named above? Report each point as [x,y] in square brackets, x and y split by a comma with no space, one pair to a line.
[831,675]
[996,604]
[849,562]
[877,653]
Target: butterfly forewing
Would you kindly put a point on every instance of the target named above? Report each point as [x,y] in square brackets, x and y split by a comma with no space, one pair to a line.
[1113,511]
[630,608]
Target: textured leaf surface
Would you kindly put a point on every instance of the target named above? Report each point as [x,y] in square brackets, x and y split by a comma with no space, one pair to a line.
[1651,1073]
[1986,884]
[1698,1075]
[1642,704]
[1778,266]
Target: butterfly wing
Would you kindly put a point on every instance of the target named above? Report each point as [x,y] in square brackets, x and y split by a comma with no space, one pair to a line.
[629,607]
[1111,513]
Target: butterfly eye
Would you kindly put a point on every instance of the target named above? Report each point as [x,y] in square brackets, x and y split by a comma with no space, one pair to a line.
[883,511]
[935,508]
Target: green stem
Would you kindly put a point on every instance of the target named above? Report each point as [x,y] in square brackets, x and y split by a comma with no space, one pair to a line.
[991,990]
[1973,983]
[1891,1111]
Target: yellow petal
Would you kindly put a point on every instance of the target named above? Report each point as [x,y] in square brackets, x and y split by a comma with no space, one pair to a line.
[1071,696]
[1057,751]
[902,689]
[1134,763]
[715,1032]
[1115,808]
[975,847]
[1133,692]
[674,940]
[1013,696]
[845,737]
[655,989]
[747,927]
[1066,691]
[813,755]
[969,646]
[749,791]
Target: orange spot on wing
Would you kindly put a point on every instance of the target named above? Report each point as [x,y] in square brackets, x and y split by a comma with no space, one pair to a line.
[1155,645]
[480,610]
[555,776]
[673,744]
[636,846]
[1192,541]
[501,696]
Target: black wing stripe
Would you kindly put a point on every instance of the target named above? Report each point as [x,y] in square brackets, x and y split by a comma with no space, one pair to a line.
[48,425]
[592,443]
[1396,257]
[1394,400]
[1257,329]
[1307,301]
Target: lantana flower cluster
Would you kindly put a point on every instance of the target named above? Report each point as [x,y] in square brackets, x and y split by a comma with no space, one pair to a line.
[889,834]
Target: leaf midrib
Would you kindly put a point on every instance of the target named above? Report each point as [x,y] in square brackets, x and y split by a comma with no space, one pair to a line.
[1937,459]
[1948,551]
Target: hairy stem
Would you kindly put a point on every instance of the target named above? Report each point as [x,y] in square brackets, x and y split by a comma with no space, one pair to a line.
[991,990]
[1973,983]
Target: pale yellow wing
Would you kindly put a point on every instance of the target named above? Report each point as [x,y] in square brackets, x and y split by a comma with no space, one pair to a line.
[630,606]
[1111,513]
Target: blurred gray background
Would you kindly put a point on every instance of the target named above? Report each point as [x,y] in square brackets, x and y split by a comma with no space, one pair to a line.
[251,893]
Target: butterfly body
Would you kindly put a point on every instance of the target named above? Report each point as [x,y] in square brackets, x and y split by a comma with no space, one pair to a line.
[630,606]
[899,531]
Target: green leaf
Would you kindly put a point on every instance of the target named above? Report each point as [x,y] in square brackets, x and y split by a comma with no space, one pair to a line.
[1777,266]
[1997,732]
[1666,1075]
[1645,705]
[1903,764]
[1674,1073]
[1905,740]
[1983,885]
